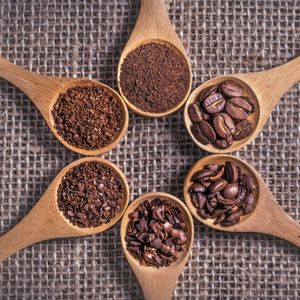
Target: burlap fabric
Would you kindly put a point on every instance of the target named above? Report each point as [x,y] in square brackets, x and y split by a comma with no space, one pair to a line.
[85,38]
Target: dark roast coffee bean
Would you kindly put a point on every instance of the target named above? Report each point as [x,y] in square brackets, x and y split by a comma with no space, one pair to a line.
[249,203]
[224,143]
[194,113]
[231,190]
[197,188]
[241,195]
[249,182]
[212,167]
[217,175]
[242,103]
[232,219]
[208,131]
[199,200]
[218,185]
[232,89]
[235,111]
[198,135]
[214,103]
[231,171]
[242,130]
[208,91]
[202,175]
[223,125]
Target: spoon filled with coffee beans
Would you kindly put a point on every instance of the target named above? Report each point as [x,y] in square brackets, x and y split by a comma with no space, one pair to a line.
[225,193]
[88,196]
[86,116]
[157,234]
[227,112]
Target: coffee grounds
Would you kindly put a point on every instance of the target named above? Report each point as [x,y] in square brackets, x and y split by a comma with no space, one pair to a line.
[154,77]
[88,116]
[90,194]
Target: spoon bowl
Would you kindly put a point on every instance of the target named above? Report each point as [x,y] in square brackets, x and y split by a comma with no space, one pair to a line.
[266,88]
[267,217]
[158,283]
[44,92]
[153,26]
[45,221]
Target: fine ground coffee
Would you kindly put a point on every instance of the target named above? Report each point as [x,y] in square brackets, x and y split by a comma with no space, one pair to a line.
[90,194]
[156,232]
[154,77]
[88,116]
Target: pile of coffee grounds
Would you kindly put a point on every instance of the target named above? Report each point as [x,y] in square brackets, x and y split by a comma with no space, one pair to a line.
[88,116]
[90,194]
[154,77]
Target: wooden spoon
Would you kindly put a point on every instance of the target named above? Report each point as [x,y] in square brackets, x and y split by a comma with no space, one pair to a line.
[158,283]
[266,88]
[45,221]
[153,25]
[268,217]
[44,92]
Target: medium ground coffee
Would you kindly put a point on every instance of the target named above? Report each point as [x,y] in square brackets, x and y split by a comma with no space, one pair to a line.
[88,116]
[154,77]
[90,194]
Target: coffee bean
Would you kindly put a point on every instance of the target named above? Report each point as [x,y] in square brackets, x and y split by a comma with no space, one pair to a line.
[231,171]
[217,174]
[234,111]
[251,101]
[214,103]
[249,203]
[232,219]
[208,131]
[232,89]
[218,185]
[249,182]
[223,125]
[205,116]
[242,103]
[202,175]
[197,188]
[198,135]
[208,91]
[242,130]
[231,190]
[194,113]
[224,143]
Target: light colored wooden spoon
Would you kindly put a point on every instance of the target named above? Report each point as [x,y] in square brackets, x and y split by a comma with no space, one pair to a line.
[158,283]
[45,221]
[268,217]
[266,88]
[153,25]
[44,92]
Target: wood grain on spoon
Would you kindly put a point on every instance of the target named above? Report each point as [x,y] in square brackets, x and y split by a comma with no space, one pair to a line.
[268,217]
[158,283]
[153,25]
[44,92]
[45,221]
[266,87]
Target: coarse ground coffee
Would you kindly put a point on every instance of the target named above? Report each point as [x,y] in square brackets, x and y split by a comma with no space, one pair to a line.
[88,116]
[154,77]
[156,232]
[90,194]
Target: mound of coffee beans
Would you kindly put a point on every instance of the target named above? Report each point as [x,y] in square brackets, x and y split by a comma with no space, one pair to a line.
[222,192]
[154,77]
[90,194]
[156,232]
[221,115]
[88,116]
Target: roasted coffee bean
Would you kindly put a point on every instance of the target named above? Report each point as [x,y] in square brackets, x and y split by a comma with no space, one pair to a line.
[231,171]
[194,113]
[231,190]
[214,103]
[224,143]
[234,111]
[251,101]
[198,135]
[242,103]
[232,89]
[208,91]
[225,193]
[242,130]
[160,232]
[90,194]
[223,125]
[218,185]
[208,131]
[205,116]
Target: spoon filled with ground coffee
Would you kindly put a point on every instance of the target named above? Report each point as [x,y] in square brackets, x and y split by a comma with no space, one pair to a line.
[154,73]
[88,196]
[227,112]
[226,193]
[157,233]
[86,116]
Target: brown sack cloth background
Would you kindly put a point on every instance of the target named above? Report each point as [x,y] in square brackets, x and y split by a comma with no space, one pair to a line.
[85,38]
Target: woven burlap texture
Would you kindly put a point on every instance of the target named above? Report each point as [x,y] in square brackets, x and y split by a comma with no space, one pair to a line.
[85,38]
